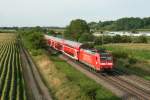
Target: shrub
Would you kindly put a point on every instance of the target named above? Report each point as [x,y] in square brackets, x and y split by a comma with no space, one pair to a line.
[120,54]
[98,41]
[107,39]
[132,60]
[117,39]
[141,39]
[126,39]
[127,65]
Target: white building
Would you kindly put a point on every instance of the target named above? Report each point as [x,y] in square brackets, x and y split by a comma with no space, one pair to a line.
[113,33]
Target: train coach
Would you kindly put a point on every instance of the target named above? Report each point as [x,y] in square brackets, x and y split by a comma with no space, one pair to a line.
[99,60]
[56,43]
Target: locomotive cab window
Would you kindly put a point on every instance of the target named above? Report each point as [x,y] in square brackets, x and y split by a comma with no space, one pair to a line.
[105,56]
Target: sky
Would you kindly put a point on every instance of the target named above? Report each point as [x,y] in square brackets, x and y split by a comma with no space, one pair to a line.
[61,12]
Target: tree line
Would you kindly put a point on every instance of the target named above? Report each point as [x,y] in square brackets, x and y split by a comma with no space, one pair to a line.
[79,30]
[33,38]
[127,24]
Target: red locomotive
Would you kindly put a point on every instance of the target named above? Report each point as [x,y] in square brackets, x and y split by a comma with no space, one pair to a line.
[97,59]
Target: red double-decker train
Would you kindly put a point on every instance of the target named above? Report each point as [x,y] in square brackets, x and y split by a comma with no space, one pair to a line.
[99,60]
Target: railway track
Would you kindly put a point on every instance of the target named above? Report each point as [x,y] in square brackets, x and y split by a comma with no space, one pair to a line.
[130,90]
[134,78]
[36,89]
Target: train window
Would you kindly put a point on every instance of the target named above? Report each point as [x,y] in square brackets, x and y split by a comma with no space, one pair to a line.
[89,51]
[105,56]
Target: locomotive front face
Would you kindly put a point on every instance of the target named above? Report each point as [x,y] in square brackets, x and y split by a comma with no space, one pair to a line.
[106,60]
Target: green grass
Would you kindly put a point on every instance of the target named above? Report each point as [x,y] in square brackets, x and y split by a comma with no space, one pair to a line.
[142,53]
[57,30]
[88,87]
[7,31]
[143,30]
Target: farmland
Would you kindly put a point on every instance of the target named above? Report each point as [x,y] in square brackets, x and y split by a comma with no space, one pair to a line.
[12,85]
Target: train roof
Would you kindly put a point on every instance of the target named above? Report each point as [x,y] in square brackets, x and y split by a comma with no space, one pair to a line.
[54,38]
[66,42]
[72,43]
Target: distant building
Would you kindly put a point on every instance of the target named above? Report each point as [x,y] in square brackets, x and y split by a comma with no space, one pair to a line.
[97,34]
[121,33]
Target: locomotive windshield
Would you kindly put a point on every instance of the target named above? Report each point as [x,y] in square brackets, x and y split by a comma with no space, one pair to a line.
[105,56]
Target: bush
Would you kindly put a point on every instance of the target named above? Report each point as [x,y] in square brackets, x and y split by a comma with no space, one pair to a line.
[117,39]
[120,54]
[141,39]
[127,65]
[126,39]
[107,39]
[51,32]
[98,41]
[132,60]
[103,40]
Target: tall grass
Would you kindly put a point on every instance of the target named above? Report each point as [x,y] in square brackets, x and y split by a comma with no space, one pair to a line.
[88,87]
[67,83]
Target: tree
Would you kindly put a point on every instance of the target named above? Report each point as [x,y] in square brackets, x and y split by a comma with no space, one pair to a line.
[106,25]
[103,40]
[92,25]
[117,39]
[107,39]
[127,23]
[98,40]
[37,39]
[146,22]
[52,32]
[76,28]
[34,37]
[86,37]
[126,39]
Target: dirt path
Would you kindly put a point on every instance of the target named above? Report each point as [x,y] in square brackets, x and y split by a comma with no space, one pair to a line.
[36,88]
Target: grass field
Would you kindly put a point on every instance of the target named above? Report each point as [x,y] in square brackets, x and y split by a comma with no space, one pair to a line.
[143,30]
[134,58]
[11,80]
[139,51]
[7,31]
[67,83]
[57,30]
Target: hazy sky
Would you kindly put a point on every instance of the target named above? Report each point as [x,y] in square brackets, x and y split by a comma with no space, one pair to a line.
[61,12]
